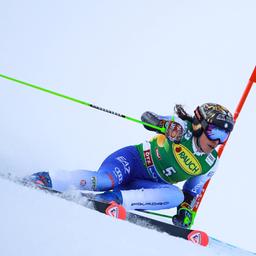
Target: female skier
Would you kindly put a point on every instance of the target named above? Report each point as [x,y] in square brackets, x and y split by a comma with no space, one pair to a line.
[143,176]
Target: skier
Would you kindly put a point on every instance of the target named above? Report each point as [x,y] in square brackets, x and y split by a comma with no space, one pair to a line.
[143,176]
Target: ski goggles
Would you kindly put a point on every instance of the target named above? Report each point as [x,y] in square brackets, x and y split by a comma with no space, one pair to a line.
[213,132]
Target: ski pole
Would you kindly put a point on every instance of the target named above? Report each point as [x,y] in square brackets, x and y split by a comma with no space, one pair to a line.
[221,148]
[162,129]
[156,214]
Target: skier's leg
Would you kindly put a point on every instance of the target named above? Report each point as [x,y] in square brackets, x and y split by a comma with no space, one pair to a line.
[148,195]
[116,169]
[80,179]
[121,167]
[62,180]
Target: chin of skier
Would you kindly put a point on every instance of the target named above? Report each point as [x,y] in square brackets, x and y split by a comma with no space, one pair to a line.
[143,176]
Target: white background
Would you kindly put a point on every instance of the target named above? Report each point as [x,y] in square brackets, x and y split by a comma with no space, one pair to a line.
[129,56]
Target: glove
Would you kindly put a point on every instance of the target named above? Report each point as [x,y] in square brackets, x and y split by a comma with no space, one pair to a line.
[152,118]
[185,215]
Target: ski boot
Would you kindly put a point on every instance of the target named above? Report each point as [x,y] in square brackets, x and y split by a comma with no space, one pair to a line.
[41,180]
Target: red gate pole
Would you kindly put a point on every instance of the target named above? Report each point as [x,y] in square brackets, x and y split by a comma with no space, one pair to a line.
[221,148]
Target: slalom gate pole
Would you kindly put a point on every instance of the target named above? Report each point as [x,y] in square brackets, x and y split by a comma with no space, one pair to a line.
[162,129]
[221,148]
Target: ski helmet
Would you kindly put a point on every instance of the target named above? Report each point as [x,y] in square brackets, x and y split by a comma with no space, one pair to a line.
[211,113]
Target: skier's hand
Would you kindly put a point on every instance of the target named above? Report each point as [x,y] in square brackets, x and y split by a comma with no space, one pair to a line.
[184,217]
[154,119]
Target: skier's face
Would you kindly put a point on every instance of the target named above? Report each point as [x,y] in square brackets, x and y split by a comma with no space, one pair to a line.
[207,145]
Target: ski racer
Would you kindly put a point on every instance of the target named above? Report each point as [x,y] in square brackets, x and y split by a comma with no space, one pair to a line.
[143,176]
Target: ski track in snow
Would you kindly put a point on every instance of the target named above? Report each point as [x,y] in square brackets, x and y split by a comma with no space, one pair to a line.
[36,223]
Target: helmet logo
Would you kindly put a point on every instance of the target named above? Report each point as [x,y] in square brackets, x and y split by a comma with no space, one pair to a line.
[217,115]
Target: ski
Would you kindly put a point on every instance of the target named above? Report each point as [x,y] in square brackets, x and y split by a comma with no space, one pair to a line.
[118,211]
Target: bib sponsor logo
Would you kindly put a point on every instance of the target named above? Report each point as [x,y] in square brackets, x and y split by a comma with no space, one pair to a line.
[148,158]
[210,159]
[158,154]
[186,160]
[150,165]
[152,172]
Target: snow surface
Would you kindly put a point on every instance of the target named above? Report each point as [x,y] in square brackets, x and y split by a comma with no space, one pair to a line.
[129,57]
[36,223]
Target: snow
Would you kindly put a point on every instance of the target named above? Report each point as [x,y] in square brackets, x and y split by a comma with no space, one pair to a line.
[36,223]
[129,57]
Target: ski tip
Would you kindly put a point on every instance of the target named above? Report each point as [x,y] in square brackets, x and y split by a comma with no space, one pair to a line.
[116,210]
[198,237]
